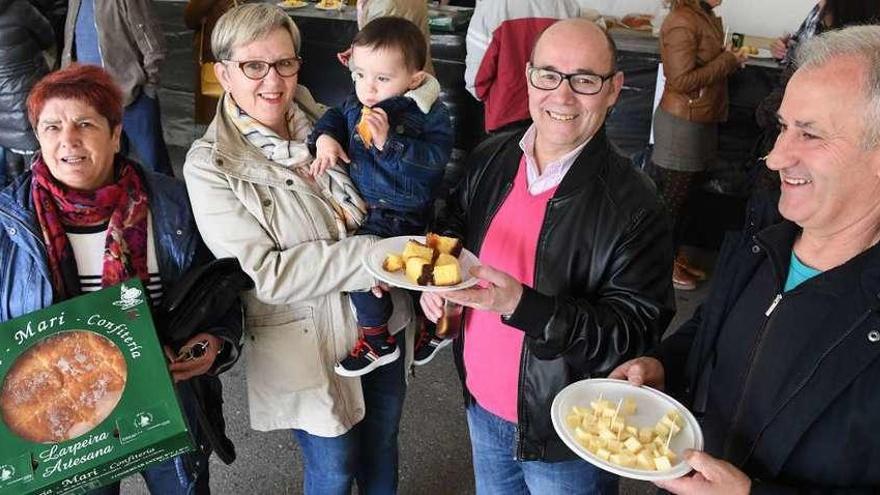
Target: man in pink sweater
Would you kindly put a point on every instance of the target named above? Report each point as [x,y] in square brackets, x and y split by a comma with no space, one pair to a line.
[576,264]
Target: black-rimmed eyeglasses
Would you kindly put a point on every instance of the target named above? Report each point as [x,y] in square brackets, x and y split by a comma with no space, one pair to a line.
[581,83]
[258,69]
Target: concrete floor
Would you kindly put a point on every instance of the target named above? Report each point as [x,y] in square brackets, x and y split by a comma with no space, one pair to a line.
[435,451]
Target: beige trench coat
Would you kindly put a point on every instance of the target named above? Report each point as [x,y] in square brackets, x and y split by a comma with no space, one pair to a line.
[299,321]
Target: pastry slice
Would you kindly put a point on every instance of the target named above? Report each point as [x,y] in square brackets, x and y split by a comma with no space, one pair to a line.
[419,270]
[447,245]
[393,262]
[446,271]
[415,249]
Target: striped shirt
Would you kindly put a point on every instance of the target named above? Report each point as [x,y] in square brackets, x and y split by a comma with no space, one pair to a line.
[88,249]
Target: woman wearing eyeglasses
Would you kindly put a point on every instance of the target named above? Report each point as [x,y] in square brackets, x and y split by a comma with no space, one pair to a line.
[696,65]
[254,198]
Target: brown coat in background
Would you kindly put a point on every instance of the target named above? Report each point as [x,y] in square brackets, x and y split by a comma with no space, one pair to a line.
[695,64]
[201,16]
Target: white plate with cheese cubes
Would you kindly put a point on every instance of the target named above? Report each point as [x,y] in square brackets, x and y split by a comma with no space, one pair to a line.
[375,258]
[625,429]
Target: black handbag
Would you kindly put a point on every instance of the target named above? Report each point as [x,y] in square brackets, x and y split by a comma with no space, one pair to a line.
[200,299]
[198,303]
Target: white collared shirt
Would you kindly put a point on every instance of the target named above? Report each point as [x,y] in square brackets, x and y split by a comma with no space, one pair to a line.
[554,171]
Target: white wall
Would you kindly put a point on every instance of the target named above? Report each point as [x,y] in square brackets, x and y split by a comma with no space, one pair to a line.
[755,17]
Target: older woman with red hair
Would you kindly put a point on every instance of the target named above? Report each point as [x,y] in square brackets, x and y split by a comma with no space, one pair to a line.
[85,218]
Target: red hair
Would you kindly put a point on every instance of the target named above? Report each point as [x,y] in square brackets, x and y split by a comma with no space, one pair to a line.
[89,84]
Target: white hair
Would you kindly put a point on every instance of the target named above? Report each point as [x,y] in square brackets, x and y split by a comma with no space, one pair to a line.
[862,42]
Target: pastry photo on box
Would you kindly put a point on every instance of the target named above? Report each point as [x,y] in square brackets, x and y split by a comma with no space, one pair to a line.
[85,395]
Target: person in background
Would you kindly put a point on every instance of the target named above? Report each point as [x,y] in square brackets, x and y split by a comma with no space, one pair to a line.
[783,47]
[255,199]
[397,170]
[84,218]
[499,42]
[201,16]
[833,14]
[576,260]
[125,39]
[781,362]
[696,65]
[25,33]
[55,11]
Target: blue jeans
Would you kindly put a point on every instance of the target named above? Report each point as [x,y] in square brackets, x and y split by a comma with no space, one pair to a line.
[497,471]
[142,126]
[186,474]
[366,454]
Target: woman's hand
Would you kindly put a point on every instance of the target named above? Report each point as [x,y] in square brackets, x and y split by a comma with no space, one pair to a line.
[741,56]
[327,153]
[377,122]
[779,47]
[711,476]
[641,371]
[184,370]
[432,306]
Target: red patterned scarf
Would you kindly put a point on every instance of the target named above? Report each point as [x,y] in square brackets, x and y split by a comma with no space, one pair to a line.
[122,205]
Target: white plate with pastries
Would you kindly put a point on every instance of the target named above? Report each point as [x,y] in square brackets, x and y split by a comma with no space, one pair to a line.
[760,53]
[292,4]
[330,5]
[375,262]
[590,415]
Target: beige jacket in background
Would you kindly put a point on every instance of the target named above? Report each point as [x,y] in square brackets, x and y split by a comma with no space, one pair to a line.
[415,11]
[299,321]
[131,42]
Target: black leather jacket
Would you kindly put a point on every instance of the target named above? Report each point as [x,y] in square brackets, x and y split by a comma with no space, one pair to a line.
[24,32]
[784,383]
[602,291]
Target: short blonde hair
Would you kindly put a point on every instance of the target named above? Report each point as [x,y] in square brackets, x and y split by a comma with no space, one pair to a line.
[249,22]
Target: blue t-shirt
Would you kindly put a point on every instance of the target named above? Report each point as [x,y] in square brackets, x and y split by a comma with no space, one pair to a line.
[798,273]
[88,51]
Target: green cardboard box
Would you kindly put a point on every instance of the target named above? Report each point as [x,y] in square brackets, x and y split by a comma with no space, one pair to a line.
[85,395]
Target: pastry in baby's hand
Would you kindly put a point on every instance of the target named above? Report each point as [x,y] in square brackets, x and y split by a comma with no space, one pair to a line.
[363,129]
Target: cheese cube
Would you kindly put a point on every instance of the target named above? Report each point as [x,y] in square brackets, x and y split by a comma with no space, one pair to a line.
[674,417]
[628,408]
[662,463]
[633,445]
[573,420]
[670,424]
[614,446]
[646,435]
[582,434]
[644,461]
[624,459]
[599,405]
[661,430]
[607,434]
[603,454]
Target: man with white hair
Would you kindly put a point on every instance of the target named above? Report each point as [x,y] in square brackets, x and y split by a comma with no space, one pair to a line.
[782,361]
